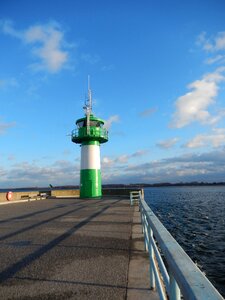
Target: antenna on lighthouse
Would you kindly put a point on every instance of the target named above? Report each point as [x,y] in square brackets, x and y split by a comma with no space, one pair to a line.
[89,94]
[88,101]
[88,106]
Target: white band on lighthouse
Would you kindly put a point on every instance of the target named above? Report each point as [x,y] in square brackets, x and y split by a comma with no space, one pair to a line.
[90,157]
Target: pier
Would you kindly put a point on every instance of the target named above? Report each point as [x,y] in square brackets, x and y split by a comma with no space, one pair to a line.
[64,247]
[68,248]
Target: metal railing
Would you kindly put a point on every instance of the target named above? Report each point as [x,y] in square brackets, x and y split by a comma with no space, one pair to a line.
[135,196]
[172,272]
[97,132]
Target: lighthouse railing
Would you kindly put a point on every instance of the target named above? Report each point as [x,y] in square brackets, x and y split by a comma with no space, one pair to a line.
[95,131]
[172,272]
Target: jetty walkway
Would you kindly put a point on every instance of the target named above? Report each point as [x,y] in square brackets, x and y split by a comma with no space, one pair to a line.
[68,248]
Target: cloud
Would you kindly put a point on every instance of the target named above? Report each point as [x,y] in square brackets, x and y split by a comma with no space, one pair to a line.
[48,44]
[8,82]
[91,59]
[111,120]
[217,59]
[122,159]
[213,44]
[147,112]
[31,174]
[209,166]
[11,157]
[107,68]
[169,143]
[139,153]
[66,152]
[215,139]
[5,126]
[7,28]
[113,162]
[107,161]
[193,106]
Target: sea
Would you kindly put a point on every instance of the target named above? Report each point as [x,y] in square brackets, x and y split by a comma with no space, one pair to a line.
[195,216]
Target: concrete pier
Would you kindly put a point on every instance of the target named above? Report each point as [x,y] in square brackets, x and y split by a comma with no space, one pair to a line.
[68,248]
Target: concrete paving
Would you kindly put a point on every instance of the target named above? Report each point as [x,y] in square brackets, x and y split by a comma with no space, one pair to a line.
[65,249]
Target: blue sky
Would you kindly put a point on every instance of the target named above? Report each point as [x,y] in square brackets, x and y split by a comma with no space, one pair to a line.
[158,79]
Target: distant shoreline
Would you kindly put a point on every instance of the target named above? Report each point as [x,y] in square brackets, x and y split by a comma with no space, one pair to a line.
[127,186]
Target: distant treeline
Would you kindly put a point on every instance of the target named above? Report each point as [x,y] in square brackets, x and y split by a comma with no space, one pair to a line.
[114,186]
[161,184]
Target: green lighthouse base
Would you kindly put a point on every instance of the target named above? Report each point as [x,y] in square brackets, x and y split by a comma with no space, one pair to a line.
[90,183]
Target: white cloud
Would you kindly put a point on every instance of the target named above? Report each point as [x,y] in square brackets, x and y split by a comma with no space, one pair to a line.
[11,157]
[66,152]
[204,42]
[192,167]
[111,120]
[31,174]
[107,161]
[139,153]
[5,126]
[218,58]
[193,106]
[47,44]
[8,82]
[220,41]
[107,68]
[215,139]
[169,143]
[147,112]
[91,59]
[122,159]
[213,44]
[7,28]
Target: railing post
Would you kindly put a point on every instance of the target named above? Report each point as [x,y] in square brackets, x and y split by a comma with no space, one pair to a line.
[151,257]
[131,199]
[174,289]
[146,233]
[142,222]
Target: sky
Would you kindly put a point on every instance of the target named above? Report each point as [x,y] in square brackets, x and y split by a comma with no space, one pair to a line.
[157,72]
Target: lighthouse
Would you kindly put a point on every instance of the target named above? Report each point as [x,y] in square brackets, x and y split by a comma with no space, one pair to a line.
[90,133]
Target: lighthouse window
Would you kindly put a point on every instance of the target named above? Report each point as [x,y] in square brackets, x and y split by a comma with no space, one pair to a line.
[80,124]
[92,123]
[95,123]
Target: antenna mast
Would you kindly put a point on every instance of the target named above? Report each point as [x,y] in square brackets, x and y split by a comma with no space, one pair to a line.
[89,95]
[88,106]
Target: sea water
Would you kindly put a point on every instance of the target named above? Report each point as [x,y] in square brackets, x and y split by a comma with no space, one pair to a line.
[195,216]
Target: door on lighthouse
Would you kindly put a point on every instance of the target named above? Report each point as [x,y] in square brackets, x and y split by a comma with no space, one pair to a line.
[89,186]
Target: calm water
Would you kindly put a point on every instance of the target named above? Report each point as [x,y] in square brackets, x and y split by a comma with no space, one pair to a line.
[195,216]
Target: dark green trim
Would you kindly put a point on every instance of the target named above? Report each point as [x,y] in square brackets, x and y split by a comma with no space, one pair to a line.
[92,118]
[90,183]
[91,143]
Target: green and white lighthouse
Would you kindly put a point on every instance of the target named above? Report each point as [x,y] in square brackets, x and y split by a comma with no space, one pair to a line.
[90,133]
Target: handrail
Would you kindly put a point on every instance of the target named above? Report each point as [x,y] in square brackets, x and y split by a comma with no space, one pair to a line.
[172,272]
[101,132]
